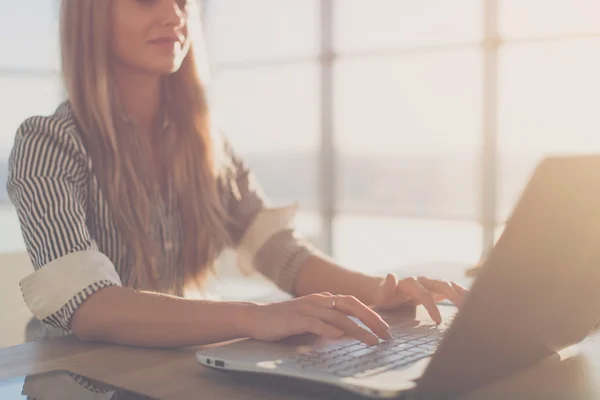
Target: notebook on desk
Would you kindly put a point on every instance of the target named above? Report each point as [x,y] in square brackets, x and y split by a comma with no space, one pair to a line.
[535,295]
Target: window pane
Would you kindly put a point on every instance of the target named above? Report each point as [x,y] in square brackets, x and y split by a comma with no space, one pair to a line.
[383,244]
[538,18]
[548,104]
[269,109]
[372,24]
[409,132]
[241,30]
[29,34]
[271,116]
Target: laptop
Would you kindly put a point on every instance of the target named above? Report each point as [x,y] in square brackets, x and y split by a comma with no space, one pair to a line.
[536,295]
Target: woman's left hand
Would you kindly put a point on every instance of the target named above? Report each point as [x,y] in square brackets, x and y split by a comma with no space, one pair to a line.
[393,293]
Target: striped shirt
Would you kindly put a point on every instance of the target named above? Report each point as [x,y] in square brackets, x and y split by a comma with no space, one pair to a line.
[75,246]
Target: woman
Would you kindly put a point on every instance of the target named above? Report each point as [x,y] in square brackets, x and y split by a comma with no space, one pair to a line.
[126,195]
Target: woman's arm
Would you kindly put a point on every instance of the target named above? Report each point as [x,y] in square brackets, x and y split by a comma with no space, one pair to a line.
[124,316]
[318,274]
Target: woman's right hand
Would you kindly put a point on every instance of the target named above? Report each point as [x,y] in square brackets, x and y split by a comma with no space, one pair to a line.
[322,314]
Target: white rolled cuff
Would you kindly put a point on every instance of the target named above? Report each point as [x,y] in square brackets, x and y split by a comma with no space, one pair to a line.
[49,288]
[265,225]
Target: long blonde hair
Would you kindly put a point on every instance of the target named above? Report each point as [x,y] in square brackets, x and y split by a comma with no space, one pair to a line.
[85,41]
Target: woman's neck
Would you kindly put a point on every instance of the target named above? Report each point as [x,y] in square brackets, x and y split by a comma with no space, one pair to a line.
[139,94]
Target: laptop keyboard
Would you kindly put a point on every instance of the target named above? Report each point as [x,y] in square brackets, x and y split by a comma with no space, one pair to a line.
[356,359]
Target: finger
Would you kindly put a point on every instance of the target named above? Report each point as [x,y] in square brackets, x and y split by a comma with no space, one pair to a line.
[462,292]
[437,297]
[401,296]
[459,288]
[443,288]
[387,289]
[440,289]
[341,321]
[350,305]
[423,296]
[317,299]
[318,327]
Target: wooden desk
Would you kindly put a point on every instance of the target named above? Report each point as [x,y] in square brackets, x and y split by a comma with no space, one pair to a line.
[175,374]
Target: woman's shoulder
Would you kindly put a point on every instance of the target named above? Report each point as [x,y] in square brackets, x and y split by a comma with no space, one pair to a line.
[56,130]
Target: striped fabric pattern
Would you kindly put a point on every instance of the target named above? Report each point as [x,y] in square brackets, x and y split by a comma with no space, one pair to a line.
[62,212]
[60,319]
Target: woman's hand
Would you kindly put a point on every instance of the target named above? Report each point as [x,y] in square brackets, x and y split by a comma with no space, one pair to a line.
[322,314]
[392,293]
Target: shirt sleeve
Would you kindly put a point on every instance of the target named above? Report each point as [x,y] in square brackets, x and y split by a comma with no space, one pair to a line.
[47,184]
[264,236]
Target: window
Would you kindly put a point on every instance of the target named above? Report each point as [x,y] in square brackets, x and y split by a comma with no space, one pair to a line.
[242,30]
[29,32]
[548,18]
[407,95]
[380,244]
[266,94]
[408,132]
[269,109]
[548,93]
[271,116]
[367,25]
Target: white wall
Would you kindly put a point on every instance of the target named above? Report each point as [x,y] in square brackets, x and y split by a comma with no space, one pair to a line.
[14,315]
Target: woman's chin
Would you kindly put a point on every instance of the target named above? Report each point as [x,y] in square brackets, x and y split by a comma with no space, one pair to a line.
[163,67]
[168,69]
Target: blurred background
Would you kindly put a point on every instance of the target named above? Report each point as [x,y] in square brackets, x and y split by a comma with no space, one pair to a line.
[405,129]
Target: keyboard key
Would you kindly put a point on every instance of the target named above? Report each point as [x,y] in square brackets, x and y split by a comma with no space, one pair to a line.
[363,352]
[399,356]
[344,360]
[402,347]
[408,360]
[360,351]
